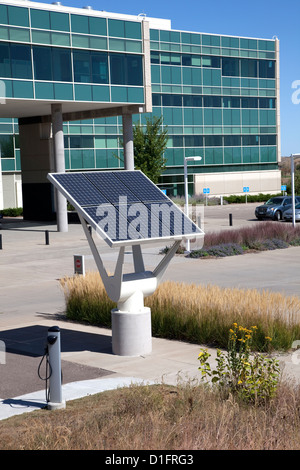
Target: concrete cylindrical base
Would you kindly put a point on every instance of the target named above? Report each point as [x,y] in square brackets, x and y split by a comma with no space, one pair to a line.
[131,333]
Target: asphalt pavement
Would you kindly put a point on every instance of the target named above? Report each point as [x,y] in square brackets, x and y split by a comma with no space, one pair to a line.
[32,301]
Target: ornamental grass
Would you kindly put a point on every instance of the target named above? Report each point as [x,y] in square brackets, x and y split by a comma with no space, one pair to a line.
[194,313]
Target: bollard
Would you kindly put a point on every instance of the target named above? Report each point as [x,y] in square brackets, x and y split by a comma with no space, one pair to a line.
[0,241]
[47,237]
[55,385]
[230,219]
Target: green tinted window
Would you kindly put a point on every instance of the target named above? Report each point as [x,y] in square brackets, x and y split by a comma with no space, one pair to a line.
[3,14]
[133,30]
[100,93]
[82,66]
[63,91]
[248,68]
[154,35]
[60,39]
[80,24]
[116,28]
[20,56]
[99,67]
[5,66]
[51,63]
[62,68]
[40,19]
[42,37]
[59,21]
[126,69]
[42,63]
[98,26]
[80,41]
[230,67]
[266,69]
[7,146]
[44,90]
[18,16]
[23,89]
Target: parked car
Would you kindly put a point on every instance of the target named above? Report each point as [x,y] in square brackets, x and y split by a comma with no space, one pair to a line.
[288,214]
[275,207]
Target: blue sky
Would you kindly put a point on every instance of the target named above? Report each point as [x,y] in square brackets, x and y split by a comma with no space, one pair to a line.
[258,18]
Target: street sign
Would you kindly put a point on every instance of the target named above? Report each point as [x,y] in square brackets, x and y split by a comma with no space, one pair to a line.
[246,189]
[283,187]
[206,190]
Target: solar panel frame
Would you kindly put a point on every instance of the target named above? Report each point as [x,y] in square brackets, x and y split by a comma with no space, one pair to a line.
[136,222]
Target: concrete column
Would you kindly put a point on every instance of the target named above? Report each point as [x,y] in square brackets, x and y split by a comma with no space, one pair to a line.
[59,164]
[128,142]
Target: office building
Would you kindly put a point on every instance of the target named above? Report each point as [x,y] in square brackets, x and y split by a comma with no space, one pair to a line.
[73,82]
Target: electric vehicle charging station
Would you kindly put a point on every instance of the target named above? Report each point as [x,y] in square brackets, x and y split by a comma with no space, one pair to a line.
[127,209]
[55,377]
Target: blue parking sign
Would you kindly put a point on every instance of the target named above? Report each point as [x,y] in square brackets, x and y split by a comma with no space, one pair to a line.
[206,191]
[283,187]
[246,189]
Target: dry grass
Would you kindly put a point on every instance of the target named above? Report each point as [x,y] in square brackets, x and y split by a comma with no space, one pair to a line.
[194,313]
[186,417]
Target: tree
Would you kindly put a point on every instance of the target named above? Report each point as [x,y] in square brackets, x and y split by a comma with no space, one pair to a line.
[150,144]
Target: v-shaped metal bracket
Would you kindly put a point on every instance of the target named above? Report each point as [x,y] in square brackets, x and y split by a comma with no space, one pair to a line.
[129,290]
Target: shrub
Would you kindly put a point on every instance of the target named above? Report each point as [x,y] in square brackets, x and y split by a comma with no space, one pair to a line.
[265,236]
[237,199]
[254,379]
[224,249]
[12,212]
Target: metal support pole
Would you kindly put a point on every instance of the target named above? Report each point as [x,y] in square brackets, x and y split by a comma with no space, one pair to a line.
[293,189]
[188,246]
[59,163]
[55,385]
[128,142]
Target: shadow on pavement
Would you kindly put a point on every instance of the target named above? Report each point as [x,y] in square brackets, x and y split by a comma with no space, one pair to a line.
[24,370]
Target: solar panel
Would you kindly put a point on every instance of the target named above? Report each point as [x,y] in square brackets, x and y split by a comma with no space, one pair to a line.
[125,207]
[75,186]
[141,186]
[111,186]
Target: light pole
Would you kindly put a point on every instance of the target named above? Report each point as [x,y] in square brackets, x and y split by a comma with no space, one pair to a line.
[188,159]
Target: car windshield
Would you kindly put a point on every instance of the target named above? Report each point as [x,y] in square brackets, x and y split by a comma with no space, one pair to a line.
[297,206]
[274,200]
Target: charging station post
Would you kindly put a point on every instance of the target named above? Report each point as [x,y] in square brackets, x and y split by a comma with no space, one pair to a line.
[55,382]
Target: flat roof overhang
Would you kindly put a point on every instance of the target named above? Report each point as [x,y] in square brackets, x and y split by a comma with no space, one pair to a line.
[40,110]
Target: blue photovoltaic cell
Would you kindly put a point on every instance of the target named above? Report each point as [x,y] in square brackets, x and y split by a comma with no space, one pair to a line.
[141,186]
[168,220]
[121,222]
[125,206]
[112,187]
[80,189]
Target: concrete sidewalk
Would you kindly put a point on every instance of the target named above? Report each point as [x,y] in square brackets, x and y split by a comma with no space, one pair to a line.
[32,301]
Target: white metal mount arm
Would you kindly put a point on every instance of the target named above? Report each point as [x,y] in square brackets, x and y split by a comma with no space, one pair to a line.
[129,290]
